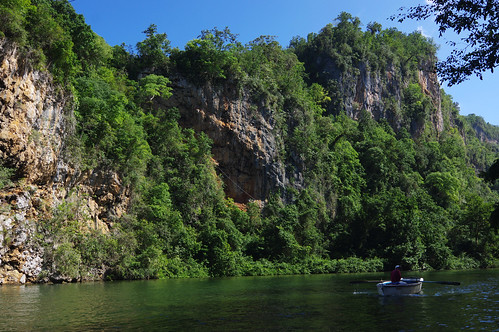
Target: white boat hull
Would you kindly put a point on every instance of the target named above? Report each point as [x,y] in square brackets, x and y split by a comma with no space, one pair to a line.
[405,287]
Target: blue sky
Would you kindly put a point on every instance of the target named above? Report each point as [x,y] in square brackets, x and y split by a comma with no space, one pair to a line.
[182,20]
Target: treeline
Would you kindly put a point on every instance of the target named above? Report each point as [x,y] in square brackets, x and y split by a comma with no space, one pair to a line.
[374,196]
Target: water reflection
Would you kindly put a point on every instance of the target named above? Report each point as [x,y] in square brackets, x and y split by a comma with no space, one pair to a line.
[324,302]
[21,300]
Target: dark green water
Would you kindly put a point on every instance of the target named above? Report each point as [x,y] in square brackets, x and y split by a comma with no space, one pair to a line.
[312,303]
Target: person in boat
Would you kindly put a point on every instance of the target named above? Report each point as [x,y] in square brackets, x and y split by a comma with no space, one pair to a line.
[396,275]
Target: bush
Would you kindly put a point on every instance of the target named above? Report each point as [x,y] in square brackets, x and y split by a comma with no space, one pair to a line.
[67,261]
[462,262]
[11,25]
[5,176]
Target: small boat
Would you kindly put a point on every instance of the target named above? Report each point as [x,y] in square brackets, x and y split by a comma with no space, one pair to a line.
[403,287]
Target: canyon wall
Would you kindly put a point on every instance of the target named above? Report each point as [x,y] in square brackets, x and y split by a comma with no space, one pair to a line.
[36,123]
[245,142]
[245,145]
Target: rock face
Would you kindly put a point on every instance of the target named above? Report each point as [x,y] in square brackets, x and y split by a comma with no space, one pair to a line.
[32,119]
[244,140]
[35,122]
[380,92]
[428,80]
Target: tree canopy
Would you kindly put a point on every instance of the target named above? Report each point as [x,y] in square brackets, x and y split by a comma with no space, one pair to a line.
[477,21]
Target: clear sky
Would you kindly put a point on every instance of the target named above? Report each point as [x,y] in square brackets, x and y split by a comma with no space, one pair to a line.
[183,20]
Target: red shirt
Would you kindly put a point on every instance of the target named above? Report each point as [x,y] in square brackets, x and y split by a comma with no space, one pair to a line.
[396,275]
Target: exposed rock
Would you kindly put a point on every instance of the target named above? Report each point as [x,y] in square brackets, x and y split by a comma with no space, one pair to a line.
[375,91]
[35,121]
[244,139]
[245,142]
[32,119]
[428,80]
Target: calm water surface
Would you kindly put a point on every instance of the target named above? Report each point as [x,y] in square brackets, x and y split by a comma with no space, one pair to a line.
[314,303]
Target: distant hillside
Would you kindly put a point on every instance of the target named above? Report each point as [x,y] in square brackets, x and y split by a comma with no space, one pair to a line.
[485,131]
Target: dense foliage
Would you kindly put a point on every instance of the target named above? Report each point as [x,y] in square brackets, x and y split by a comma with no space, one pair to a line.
[375,195]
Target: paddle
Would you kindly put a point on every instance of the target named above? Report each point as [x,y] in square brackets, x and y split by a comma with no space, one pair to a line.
[408,279]
[427,281]
[444,282]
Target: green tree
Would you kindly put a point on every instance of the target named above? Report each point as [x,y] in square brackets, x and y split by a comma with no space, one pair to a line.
[13,18]
[210,57]
[108,127]
[443,187]
[154,50]
[152,87]
[417,107]
[478,20]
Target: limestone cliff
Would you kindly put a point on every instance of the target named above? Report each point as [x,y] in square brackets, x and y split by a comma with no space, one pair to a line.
[381,92]
[245,145]
[245,142]
[35,123]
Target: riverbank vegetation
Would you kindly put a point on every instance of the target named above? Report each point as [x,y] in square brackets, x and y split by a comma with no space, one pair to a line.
[375,194]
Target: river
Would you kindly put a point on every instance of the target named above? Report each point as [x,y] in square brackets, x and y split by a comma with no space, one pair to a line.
[284,303]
